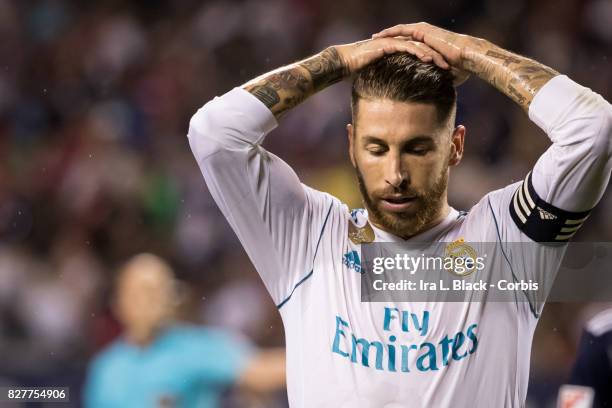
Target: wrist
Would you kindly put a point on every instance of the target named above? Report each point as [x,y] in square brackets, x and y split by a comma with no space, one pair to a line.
[341,62]
[473,52]
[326,68]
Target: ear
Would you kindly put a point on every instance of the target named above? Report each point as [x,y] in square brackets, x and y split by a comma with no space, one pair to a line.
[350,130]
[457,143]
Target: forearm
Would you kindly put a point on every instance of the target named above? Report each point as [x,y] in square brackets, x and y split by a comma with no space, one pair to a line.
[518,77]
[286,87]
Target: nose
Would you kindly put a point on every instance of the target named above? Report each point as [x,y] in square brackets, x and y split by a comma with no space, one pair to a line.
[396,175]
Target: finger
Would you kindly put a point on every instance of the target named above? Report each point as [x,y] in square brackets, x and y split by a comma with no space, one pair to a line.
[403,37]
[400,44]
[371,50]
[398,30]
[440,61]
[437,58]
[410,47]
[435,40]
[420,50]
[392,49]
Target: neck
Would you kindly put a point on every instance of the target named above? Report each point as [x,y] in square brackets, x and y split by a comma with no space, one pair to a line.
[442,214]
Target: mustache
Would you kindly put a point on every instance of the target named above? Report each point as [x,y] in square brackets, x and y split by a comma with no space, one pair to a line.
[406,191]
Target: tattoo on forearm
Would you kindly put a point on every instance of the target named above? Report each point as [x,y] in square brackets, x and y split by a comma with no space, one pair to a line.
[266,94]
[527,80]
[507,59]
[325,70]
[287,87]
[515,94]
[518,77]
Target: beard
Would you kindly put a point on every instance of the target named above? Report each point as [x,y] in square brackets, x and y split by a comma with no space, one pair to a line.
[405,225]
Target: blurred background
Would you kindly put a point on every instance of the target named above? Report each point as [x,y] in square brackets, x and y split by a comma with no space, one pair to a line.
[95,101]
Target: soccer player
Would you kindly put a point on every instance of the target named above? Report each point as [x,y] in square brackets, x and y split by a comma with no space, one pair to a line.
[305,244]
[161,363]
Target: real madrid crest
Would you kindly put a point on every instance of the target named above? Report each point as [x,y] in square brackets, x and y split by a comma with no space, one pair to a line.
[459,253]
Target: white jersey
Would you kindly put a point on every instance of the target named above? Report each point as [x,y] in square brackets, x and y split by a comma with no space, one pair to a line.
[342,352]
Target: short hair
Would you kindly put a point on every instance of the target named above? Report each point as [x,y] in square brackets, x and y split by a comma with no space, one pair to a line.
[404,78]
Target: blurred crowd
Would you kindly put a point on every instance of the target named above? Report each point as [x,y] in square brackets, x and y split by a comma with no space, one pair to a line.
[95,102]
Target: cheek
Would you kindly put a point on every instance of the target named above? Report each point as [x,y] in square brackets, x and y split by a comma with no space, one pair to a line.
[424,171]
[371,169]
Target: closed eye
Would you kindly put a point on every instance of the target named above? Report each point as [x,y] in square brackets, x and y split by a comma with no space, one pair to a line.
[420,146]
[376,149]
[419,150]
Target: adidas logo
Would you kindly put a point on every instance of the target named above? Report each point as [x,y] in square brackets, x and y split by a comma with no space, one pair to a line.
[545,215]
[352,261]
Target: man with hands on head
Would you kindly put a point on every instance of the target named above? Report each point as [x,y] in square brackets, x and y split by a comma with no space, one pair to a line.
[305,244]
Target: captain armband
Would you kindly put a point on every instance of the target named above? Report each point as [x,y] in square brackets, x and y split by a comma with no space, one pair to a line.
[540,221]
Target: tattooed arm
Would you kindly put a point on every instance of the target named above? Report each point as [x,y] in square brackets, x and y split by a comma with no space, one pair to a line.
[286,87]
[518,77]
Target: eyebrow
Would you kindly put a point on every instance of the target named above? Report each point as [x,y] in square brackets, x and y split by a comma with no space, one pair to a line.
[416,139]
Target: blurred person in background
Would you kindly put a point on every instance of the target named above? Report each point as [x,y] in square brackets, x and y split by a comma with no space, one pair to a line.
[159,362]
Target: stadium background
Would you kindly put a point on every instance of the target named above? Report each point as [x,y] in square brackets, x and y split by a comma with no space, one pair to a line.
[95,100]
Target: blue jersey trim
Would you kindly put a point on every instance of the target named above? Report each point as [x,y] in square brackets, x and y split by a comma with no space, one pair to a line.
[313,258]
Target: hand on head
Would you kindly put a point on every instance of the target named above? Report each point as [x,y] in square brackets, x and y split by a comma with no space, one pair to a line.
[448,46]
